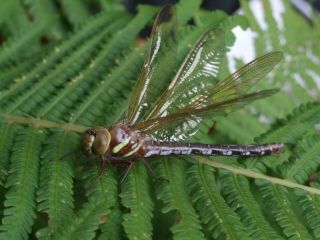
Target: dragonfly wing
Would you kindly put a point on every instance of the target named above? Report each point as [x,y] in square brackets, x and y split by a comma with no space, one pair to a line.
[198,72]
[160,29]
[242,80]
[184,123]
[230,90]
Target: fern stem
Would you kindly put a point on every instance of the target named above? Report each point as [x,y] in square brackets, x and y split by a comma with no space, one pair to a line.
[256,175]
[39,123]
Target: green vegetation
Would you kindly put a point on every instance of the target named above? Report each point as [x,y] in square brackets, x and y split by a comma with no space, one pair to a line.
[61,61]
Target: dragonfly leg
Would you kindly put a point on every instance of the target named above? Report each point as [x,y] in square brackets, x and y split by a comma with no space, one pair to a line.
[101,171]
[103,165]
[153,173]
[124,176]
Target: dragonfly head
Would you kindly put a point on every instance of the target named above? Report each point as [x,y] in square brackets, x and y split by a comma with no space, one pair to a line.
[95,141]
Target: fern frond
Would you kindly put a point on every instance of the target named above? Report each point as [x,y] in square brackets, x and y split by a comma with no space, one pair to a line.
[22,181]
[215,214]
[54,195]
[232,126]
[90,29]
[278,36]
[104,60]
[14,73]
[87,78]
[76,61]
[135,196]
[306,159]
[7,133]
[16,23]
[306,113]
[112,229]
[95,211]
[40,90]
[290,131]
[44,11]
[238,194]
[41,10]
[12,49]
[98,109]
[250,15]
[272,25]
[76,12]
[7,8]
[186,9]
[311,210]
[111,5]
[276,199]
[211,19]
[62,102]
[175,197]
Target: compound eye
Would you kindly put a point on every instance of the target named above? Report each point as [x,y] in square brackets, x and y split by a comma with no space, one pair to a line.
[91,132]
[87,142]
[101,143]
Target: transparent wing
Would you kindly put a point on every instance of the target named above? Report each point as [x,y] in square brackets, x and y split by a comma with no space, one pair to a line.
[226,96]
[139,96]
[198,72]
[242,80]
[182,121]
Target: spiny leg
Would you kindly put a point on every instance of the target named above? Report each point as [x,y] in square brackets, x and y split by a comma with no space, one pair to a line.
[118,162]
[152,172]
[130,163]
[125,175]
[102,170]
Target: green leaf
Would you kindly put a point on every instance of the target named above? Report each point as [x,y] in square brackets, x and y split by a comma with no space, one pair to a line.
[136,197]
[276,199]
[175,197]
[219,218]
[87,220]
[20,211]
[69,65]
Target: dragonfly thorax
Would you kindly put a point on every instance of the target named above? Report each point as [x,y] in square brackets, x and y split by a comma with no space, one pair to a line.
[95,141]
[125,141]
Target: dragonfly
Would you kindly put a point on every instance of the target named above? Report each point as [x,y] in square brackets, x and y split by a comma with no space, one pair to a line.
[193,95]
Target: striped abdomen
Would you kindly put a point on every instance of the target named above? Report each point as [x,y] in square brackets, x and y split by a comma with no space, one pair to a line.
[125,142]
[153,148]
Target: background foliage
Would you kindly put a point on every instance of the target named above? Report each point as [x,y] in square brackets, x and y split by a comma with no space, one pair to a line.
[76,62]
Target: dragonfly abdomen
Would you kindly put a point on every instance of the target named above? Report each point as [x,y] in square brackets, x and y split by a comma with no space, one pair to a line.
[176,148]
